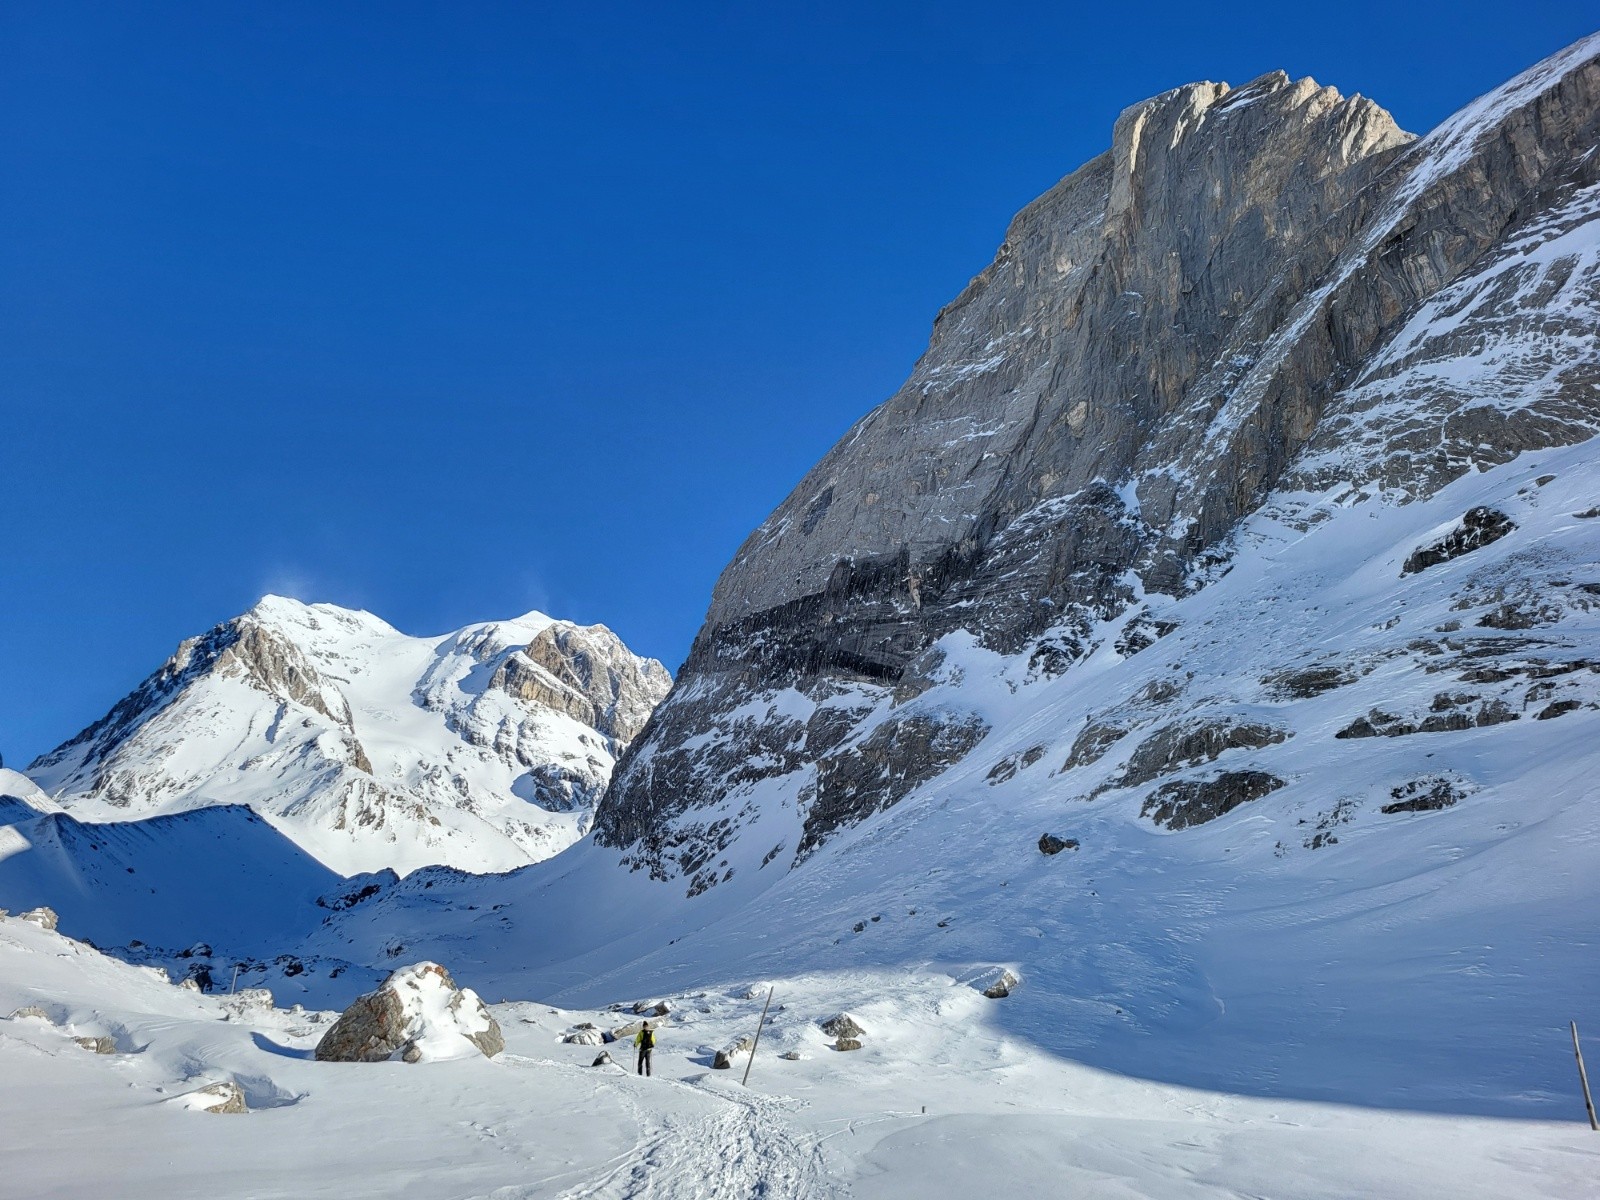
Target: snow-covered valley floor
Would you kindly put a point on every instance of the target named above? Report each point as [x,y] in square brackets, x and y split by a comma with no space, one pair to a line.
[940,1101]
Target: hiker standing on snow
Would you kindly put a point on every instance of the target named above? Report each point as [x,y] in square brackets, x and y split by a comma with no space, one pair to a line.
[645,1039]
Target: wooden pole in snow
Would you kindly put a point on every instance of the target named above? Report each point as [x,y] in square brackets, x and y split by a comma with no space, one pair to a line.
[745,1082]
[1583,1078]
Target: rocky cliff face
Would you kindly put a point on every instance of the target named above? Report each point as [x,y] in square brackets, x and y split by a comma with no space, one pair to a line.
[485,749]
[1265,299]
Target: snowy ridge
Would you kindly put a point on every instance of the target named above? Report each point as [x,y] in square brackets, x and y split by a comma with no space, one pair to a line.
[368,747]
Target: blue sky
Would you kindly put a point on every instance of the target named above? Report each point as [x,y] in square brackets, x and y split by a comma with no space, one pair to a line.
[450,311]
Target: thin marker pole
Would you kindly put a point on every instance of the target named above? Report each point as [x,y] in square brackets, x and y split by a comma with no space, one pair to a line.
[1583,1077]
[745,1082]
[234,986]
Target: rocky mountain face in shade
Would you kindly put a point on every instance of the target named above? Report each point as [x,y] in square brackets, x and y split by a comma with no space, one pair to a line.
[1259,301]
[485,749]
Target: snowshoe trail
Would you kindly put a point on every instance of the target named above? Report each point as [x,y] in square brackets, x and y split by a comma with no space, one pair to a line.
[744,1149]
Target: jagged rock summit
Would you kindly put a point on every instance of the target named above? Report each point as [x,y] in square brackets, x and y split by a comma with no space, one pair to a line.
[484,749]
[1261,302]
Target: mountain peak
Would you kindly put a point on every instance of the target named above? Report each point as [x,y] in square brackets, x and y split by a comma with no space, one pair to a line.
[370,747]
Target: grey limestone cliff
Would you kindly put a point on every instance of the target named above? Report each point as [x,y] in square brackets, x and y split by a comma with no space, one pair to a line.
[1248,297]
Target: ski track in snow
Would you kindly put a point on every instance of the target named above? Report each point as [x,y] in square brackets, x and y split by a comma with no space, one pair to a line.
[742,1150]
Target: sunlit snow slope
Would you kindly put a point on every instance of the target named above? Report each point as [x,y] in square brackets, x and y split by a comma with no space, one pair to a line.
[485,748]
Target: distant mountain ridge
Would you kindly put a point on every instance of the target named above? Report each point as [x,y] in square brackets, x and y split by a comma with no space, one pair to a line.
[483,749]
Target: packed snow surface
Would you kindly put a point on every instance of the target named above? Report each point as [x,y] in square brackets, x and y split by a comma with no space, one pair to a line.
[943,1099]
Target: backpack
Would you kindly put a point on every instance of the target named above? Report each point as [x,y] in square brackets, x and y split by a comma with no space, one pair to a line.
[647,1039]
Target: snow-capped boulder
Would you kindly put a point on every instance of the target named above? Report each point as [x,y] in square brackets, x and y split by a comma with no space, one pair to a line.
[1049,843]
[31,1012]
[723,1059]
[584,1037]
[998,983]
[223,1098]
[44,918]
[99,1045]
[417,1015]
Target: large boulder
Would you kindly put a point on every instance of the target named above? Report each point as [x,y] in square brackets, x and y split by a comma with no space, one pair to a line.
[416,1015]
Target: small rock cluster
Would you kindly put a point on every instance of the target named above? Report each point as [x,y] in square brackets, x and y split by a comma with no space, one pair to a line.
[846,1031]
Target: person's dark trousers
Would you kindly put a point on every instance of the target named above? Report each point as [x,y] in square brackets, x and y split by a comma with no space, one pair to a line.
[644,1062]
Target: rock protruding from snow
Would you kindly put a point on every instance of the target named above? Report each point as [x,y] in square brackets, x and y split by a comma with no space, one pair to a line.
[1479,527]
[1050,844]
[999,983]
[1186,802]
[842,1025]
[99,1045]
[44,918]
[723,1059]
[247,999]
[224,1098]
[417,1015]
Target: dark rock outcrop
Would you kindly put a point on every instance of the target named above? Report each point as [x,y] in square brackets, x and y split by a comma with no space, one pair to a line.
[1193,743]
[1480,527]
[1187,802]
[1428,794]
[1448,713]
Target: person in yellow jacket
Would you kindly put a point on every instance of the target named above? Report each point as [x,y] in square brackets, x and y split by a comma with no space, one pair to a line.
[645,1039]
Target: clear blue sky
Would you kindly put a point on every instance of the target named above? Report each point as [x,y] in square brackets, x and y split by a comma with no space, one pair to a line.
[454,310]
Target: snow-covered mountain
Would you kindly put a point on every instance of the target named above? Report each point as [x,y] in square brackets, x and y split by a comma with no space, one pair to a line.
[484,749]
[1170,727]
[1260,307]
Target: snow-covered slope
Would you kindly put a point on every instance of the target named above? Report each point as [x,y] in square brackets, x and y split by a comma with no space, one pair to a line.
[485,748]
[946,1098]
[1337,832]
[219,875]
